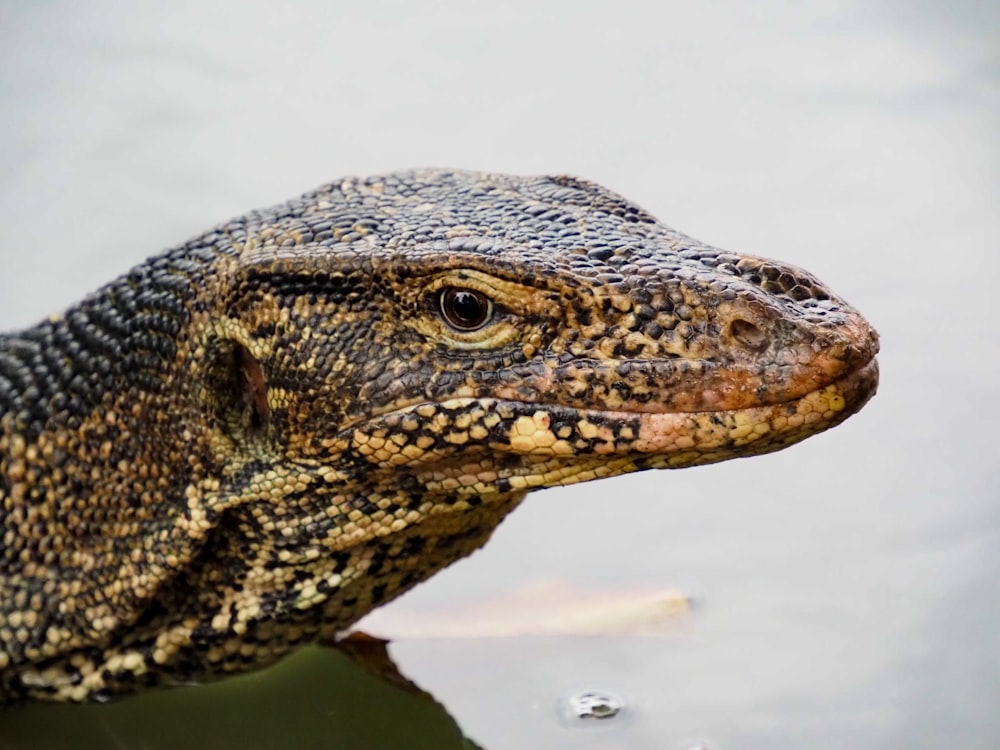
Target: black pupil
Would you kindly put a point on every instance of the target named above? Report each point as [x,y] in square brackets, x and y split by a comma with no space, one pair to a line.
[464,309]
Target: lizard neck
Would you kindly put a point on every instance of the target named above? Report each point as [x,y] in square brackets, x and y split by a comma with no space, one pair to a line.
[86,399]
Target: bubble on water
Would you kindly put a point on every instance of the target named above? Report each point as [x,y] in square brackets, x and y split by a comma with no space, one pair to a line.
[593,706]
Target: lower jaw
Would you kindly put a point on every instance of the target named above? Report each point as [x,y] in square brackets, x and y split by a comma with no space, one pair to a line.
[621,442]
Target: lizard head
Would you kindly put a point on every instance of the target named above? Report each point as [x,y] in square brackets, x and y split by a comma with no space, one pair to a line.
[481,334]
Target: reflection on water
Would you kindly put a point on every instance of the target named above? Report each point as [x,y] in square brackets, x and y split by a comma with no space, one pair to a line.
[848,583]
[316,694]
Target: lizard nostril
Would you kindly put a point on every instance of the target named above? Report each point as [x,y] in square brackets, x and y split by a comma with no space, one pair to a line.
[748,335]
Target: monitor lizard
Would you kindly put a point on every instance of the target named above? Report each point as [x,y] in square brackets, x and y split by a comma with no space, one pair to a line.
[249,441]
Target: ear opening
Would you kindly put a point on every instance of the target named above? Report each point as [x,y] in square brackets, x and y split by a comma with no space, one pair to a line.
[238,390]
[252,386]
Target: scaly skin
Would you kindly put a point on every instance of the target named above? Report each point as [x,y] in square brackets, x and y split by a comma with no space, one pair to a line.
[252,440]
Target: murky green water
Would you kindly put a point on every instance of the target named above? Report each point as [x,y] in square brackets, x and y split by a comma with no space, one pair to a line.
[846,587]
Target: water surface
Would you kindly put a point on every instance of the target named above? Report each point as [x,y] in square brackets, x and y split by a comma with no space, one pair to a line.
[846,587]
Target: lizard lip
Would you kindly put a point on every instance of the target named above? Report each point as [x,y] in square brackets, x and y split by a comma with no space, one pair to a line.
[696,386]
[561,445]
[717,435]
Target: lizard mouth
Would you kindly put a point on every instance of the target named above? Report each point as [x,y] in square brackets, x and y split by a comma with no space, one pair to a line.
[684,438]
[705,437]
[480,446]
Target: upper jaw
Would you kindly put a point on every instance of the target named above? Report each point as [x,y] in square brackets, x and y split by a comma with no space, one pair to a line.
[787,371]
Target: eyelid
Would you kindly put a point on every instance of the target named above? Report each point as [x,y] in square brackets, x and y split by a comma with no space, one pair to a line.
[504,302]
[502,330]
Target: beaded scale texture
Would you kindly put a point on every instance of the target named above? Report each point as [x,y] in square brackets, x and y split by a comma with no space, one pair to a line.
[250,441]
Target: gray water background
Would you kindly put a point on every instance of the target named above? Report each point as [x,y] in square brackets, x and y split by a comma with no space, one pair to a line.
[847,587]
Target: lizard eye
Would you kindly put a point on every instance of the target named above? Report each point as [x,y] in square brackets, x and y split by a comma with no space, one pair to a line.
[465,309]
